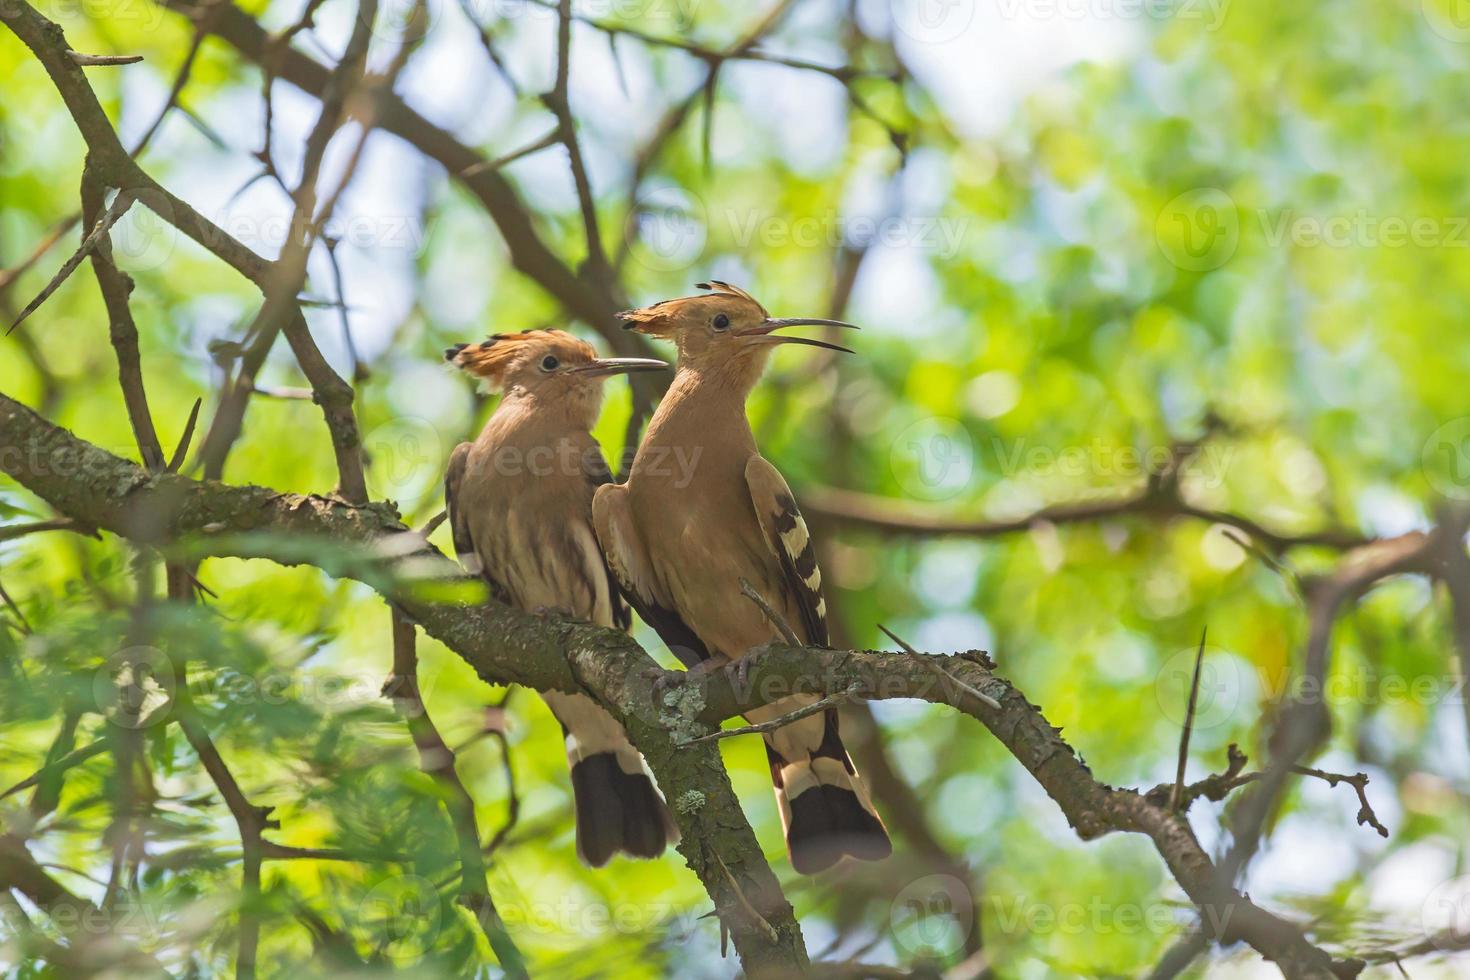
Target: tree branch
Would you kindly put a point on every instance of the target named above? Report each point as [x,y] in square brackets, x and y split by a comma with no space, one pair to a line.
[889,516]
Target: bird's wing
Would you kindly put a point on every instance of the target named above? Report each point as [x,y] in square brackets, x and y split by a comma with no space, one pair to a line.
[459,522]
[787,535]
[628,561]
[600,476]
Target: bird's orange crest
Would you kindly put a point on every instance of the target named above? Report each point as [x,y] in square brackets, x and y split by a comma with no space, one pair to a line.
[661,318]
[494,358]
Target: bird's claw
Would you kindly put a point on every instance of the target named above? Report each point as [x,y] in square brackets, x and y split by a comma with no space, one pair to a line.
[740,673]
[663,682]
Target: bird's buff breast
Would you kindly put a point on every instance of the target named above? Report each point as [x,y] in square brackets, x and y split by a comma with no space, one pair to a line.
[702,544]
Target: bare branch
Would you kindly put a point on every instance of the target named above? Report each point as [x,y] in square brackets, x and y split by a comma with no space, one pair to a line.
[806,711]
[772,616]
[119,207]
[1199,661]
[944,675]
[890,516]
[13,531]
[103,60]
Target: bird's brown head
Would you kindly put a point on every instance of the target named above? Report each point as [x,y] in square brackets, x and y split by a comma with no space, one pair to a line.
[725,331]
[549,369]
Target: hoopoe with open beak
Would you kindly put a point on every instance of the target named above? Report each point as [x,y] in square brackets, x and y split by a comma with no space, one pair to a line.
[520,510]
[681,540]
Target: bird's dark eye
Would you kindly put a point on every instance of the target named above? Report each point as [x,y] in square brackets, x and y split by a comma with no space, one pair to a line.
[549,363]
[721,321]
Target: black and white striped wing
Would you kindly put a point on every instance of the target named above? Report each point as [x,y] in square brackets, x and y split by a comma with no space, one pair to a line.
[786,532]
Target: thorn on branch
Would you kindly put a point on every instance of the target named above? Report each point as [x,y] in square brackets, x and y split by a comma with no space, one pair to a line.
[774,617]
[103,60]
[1199,660]
[109,218]
[182,449]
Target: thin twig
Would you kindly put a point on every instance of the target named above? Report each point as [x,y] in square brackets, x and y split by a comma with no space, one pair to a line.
[929,662]
[806,711]
[12,531]
[558,100]
[1199,659]
[120,205]
[103,60]
[57,232]
[775,618]
[550,139]
[20,617]
[181,451]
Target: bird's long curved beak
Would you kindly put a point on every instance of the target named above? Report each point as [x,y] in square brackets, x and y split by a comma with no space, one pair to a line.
[765,332]
[619,365]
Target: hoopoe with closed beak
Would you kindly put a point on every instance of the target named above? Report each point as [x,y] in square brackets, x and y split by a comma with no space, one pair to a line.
[520,510]
[681,540]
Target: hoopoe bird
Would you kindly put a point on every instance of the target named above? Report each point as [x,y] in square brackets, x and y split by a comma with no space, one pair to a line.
[520,512]
[701,514]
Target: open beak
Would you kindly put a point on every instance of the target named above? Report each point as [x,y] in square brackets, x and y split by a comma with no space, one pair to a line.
[619,365]
[765,332]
